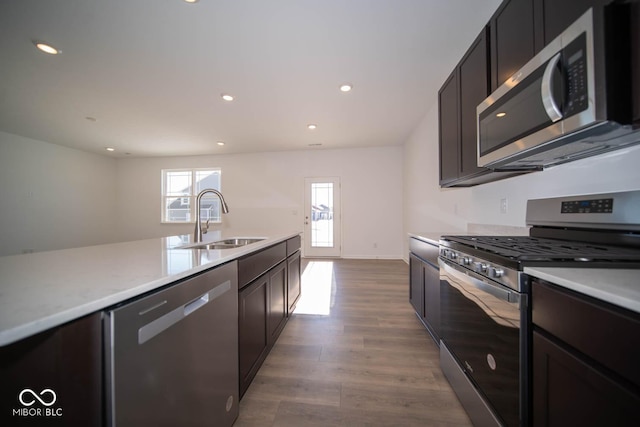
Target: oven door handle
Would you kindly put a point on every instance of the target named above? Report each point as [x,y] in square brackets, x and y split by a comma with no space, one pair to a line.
[477,281]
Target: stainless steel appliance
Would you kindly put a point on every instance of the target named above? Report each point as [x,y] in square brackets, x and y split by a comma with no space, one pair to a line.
[485,312]
[172,356]
[572,100]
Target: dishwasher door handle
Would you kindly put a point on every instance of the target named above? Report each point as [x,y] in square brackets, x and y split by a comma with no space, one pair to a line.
[194,305]
[164,322]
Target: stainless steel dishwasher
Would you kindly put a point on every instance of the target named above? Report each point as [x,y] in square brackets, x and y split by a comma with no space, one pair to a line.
[172,356]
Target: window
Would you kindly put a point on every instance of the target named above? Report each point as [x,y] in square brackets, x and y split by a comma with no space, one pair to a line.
[179,190]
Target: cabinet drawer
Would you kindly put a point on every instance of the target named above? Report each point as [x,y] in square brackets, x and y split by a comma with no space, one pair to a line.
[256,264]
[424,250]
[293,245]
[607,334]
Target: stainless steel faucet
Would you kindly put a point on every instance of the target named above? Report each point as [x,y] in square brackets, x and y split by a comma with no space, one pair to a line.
[197,235]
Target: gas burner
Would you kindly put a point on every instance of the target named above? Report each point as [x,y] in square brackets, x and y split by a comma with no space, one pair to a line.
[527,248]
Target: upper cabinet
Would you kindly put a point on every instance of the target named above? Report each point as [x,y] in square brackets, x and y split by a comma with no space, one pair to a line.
[449,129]
[466,87]
[512,39]
[517,31]
[553,16]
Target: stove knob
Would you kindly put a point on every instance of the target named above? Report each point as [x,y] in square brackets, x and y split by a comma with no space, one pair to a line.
[465,260]
[480,267]
[453,255]
[495,272]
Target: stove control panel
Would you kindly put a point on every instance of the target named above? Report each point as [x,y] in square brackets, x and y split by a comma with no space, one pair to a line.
[587,206]
[481,267]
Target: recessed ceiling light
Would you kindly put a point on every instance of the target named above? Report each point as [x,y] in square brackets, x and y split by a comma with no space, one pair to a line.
[502,114]
[46,48]
[220,143]
[191,1]
[110,149]
[227,97]
[346,87]
[312,126]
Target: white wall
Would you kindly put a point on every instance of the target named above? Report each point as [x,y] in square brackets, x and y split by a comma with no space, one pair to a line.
[265,191]
[430,208]
[53,197]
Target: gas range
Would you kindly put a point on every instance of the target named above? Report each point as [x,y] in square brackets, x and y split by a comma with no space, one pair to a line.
[485,310]
[502,258]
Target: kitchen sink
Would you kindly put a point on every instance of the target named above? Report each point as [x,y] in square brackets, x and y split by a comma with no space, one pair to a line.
[223,244]
[238,241]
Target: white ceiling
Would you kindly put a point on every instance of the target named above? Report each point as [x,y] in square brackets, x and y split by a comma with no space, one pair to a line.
[152,71]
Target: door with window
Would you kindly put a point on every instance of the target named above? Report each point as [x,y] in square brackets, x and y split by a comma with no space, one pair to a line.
[322,234]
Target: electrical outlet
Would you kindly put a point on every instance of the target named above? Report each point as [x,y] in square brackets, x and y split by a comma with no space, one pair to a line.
[503,205]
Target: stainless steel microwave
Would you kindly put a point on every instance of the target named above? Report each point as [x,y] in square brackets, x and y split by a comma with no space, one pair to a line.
[572,100]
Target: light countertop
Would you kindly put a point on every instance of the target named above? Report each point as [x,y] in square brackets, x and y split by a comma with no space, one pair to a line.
[432,237]
[43,290]
[618,287]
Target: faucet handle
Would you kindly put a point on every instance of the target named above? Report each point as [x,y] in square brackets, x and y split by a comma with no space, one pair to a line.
[206,227]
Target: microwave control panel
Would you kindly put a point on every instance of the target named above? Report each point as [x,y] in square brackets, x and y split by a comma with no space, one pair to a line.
[575,70]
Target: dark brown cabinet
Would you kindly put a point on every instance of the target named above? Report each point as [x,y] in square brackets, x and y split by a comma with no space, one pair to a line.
[512,39]
[277,297]
[584,363]
[449,130]
[253,335]
[553,16]
[424,285]
[264,303]
[458,98]
[474,88]
[66,360]
[294,289]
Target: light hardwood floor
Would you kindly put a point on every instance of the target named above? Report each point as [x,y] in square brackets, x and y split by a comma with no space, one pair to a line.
[370,362]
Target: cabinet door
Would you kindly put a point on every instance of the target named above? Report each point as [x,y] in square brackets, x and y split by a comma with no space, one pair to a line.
[512,39]
[558,15]
[252,329]
[416,284]
[449,129]
[67,360]
[567,390]
[294,289]
[432,300]
[474,88]
[277,296]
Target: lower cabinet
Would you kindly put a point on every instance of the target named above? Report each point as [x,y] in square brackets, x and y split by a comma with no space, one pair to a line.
[265,303]
[62,368]
[253,336]
[277,301]
[294,289]
[424,285]
[424,282]
[584,360]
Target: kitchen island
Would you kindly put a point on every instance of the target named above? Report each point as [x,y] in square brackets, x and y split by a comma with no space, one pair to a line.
[56,317]
[42,290]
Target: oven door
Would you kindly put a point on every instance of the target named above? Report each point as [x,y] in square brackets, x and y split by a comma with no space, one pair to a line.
[481,326]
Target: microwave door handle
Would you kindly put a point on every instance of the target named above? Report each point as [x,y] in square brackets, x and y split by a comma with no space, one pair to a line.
[550,106]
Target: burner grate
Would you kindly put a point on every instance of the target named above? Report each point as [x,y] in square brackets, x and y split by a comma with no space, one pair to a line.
[526,248]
